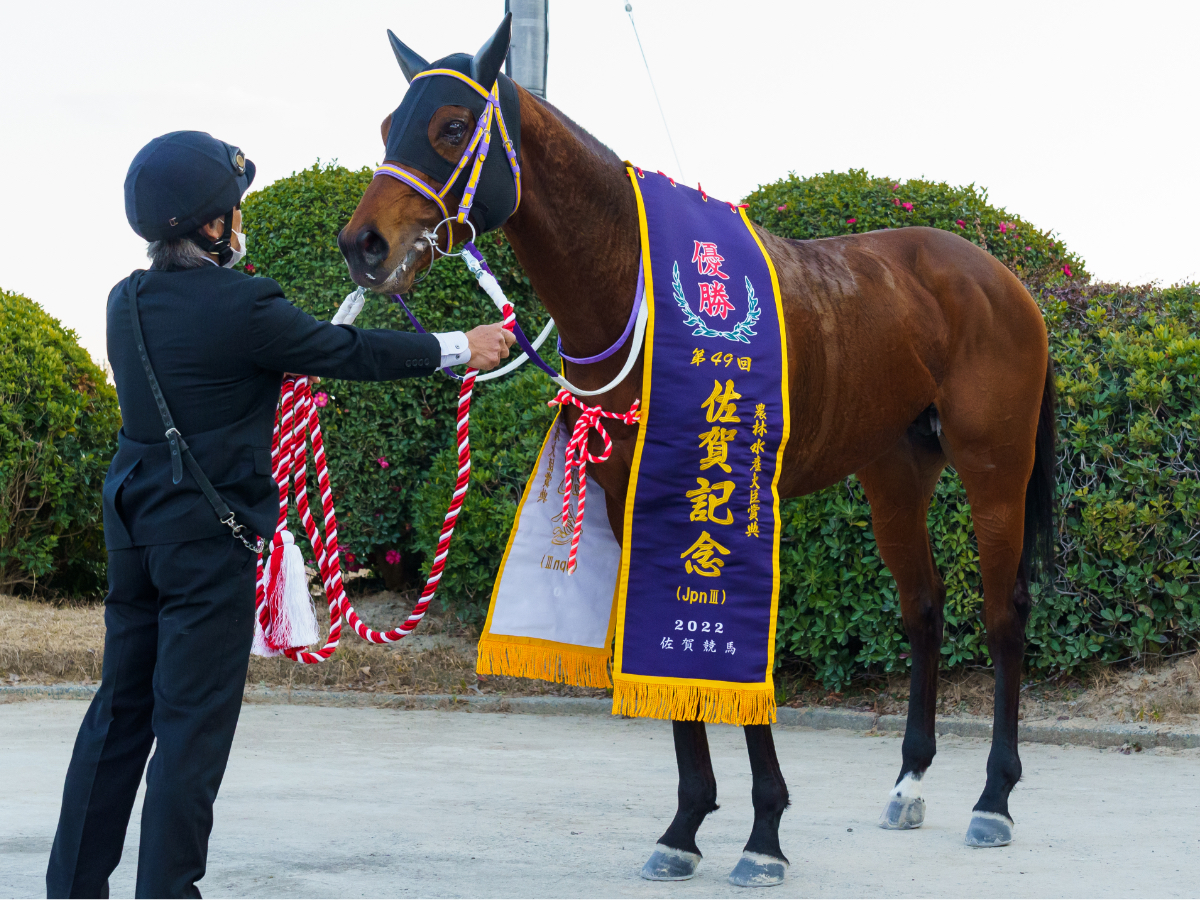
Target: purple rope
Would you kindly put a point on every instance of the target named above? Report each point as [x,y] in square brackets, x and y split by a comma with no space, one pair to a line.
[639,298]
[399,298]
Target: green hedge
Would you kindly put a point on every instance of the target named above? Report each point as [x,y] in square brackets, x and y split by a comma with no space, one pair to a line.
[1128,364]
[853,202]
[1128,512]
[1127,375]
[58,427]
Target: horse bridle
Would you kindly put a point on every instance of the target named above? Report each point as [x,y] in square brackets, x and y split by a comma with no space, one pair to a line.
[477,151]
[474,156]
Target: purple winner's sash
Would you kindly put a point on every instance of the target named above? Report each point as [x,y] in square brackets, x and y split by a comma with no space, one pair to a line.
[699,584]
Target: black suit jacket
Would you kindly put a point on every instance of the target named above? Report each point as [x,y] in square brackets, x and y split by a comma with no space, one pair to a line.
[220,342]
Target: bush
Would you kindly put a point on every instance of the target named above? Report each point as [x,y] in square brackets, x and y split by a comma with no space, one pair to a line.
[293,226]
[58,427]
[1127,484]
[1128,363]
[853,202]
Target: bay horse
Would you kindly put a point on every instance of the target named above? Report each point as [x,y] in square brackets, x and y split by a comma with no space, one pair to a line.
[908,350]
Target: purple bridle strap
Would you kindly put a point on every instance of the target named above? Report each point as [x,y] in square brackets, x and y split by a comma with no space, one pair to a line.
[522,341]
[639,297]
[399,298]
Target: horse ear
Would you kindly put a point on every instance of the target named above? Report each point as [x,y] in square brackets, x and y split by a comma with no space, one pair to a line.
[410,62]
[485,65]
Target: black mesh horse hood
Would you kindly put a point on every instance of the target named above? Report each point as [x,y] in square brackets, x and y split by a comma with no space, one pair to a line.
[408,136]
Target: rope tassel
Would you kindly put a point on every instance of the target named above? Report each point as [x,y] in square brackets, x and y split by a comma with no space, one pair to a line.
[293,619]
[578,456]
[295,419]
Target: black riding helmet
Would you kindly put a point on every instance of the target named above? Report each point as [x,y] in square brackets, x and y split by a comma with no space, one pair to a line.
[182,180]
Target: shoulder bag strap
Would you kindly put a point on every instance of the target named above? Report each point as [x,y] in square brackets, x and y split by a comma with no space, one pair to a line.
[181,455]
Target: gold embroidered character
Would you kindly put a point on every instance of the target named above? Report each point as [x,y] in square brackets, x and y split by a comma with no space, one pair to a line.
[707,500]
[701,558]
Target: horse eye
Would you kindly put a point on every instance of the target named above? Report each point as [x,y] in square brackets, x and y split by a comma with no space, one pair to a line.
[455,131]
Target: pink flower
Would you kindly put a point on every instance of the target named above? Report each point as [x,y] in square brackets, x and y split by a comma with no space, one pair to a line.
[383,463]
[907,206]
[895,187]
[250,268]
[960,223]
[851,221]
[1028,248]
[392,557]
[321,399]
[1067,271]
[781,208]
[895,201]
[1003,227]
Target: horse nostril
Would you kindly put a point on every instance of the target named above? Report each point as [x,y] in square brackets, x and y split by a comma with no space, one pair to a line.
[373,247]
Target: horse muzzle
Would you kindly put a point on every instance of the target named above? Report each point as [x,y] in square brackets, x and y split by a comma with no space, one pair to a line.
[378,266]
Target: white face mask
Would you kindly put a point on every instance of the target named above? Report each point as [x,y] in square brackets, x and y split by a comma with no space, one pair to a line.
[238,255]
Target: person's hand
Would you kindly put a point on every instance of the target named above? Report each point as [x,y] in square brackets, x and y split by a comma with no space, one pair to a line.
[488,344]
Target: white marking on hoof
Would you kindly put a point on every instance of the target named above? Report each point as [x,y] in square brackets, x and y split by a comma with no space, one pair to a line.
[908,787]
[758,870]
[669,864]
[905,808]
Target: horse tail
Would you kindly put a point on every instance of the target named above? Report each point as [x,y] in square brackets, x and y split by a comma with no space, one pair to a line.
[1037,555]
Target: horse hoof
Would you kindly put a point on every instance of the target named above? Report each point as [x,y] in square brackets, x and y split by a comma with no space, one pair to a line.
[757,870]
[903,812]
[668,864]
[989,829]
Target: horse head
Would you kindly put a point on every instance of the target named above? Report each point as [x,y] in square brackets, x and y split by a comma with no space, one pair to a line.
[432,149]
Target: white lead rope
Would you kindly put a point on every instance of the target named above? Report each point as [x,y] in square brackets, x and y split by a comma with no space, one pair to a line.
[522,359]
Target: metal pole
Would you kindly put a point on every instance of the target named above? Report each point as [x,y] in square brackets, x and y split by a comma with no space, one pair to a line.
[526,64]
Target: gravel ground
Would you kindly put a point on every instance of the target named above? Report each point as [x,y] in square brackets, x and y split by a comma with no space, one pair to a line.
[322,801]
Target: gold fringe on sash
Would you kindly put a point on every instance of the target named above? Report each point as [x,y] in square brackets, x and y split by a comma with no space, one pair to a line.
[751,705]
[562,663]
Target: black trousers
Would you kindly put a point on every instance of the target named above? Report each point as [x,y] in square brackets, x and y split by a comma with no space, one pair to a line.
[180,620]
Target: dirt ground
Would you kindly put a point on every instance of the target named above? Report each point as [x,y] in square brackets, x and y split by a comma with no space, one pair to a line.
[1155,690]
[335,802]
[45,643]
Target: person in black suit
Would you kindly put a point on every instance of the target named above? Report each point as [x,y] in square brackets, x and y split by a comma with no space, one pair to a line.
[179,613]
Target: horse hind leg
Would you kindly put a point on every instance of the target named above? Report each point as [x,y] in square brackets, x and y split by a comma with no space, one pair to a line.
[995,451]
[676,856]
[763,863]
[899,486]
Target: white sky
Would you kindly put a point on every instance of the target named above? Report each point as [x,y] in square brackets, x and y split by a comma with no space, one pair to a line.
[1080,117]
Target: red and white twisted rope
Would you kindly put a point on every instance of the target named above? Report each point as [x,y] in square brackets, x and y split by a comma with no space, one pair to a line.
[297,415]
[578,456]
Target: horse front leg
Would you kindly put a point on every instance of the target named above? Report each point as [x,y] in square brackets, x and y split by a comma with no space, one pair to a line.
[676,857]
[763,863]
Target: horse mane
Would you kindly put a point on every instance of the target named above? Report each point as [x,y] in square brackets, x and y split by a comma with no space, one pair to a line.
[594,144]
